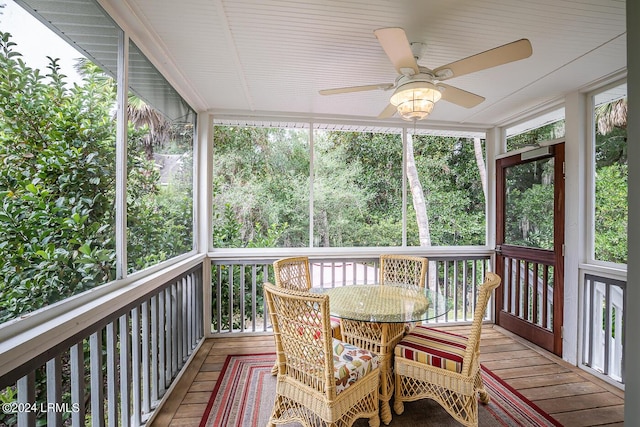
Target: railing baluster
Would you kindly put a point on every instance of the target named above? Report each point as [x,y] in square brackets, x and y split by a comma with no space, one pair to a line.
[344,273]
[242,296]
[333,276]
[162,342]
[219,298]
[354,273]
[77,383]
[508,286]
[96,379]
[265,316]
[465,298]
[179,326]
[155,350]
[231,296]
[545,298]
[27,396]
[254,296]
[607,328]
[112,374]
[145,359]
[445,268]
[125,370]
[136,418]
[475,279]
[54,392]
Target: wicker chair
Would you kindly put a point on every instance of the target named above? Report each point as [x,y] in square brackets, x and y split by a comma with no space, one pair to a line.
[403,270]
[293,273]
[321,380]
[443,366]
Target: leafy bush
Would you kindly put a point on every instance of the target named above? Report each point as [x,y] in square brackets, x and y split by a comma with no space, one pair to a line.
[57,150]
[57,188]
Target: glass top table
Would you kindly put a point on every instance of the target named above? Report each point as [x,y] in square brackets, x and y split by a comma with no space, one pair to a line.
[374,317]
[384,303]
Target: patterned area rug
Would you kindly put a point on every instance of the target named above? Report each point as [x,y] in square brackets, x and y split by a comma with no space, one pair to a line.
[244,393]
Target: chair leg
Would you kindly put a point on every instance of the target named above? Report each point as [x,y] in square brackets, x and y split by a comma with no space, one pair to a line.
[479,385]
[398,404]
[374,421]
[274,369]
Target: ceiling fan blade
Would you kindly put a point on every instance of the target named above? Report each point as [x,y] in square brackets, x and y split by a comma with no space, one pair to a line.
[460,97]
[389,111]
[504,54]
[395,44]
[381,86]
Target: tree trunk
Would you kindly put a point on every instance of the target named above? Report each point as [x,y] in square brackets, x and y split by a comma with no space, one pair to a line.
[419,203]
[477,148]
[420,206]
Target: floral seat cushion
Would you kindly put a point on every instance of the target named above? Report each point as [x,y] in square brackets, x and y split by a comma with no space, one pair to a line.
[433,347]
[350,363]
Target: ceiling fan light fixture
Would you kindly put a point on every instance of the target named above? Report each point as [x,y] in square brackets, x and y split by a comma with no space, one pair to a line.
[415,100]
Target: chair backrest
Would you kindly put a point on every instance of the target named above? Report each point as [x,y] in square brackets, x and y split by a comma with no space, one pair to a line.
[302,331]
[470,361]
[293,273]
[403,270]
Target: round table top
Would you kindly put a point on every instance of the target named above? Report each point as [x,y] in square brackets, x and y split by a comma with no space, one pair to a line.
[384,303]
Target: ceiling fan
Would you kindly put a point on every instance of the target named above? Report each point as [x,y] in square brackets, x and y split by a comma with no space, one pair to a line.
[417,88]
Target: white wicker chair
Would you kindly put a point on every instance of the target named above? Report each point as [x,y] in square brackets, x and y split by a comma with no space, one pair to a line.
[316,384]
[452,377]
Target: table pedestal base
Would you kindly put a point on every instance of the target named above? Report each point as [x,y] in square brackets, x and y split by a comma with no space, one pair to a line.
[379,338]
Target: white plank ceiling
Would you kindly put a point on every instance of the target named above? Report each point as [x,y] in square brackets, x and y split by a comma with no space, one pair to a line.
[256,58]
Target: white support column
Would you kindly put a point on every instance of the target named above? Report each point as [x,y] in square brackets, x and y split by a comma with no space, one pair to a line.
[493,146]
[121,155]
[404,186]
[203,161]
[632,320]
[575,212]
[203,152]
[312,156]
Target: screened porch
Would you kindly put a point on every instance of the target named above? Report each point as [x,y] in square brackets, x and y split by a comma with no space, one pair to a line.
[175,263]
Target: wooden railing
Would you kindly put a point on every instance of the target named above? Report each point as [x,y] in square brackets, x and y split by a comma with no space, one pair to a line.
[237,297]
[604,326]
[113,369]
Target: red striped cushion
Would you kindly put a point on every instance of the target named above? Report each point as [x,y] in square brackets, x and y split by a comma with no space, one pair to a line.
[335,322]
[433,347]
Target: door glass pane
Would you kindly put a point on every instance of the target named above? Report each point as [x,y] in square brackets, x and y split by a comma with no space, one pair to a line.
[529,204]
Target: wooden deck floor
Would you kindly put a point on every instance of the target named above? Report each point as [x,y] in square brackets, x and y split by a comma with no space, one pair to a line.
[571,395]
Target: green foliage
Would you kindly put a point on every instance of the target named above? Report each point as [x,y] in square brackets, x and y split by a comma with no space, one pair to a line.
[546,132]
[56,186]
[262,178]
[453,191]
[611,208]
[260,187]
[529,207]
[611,214]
